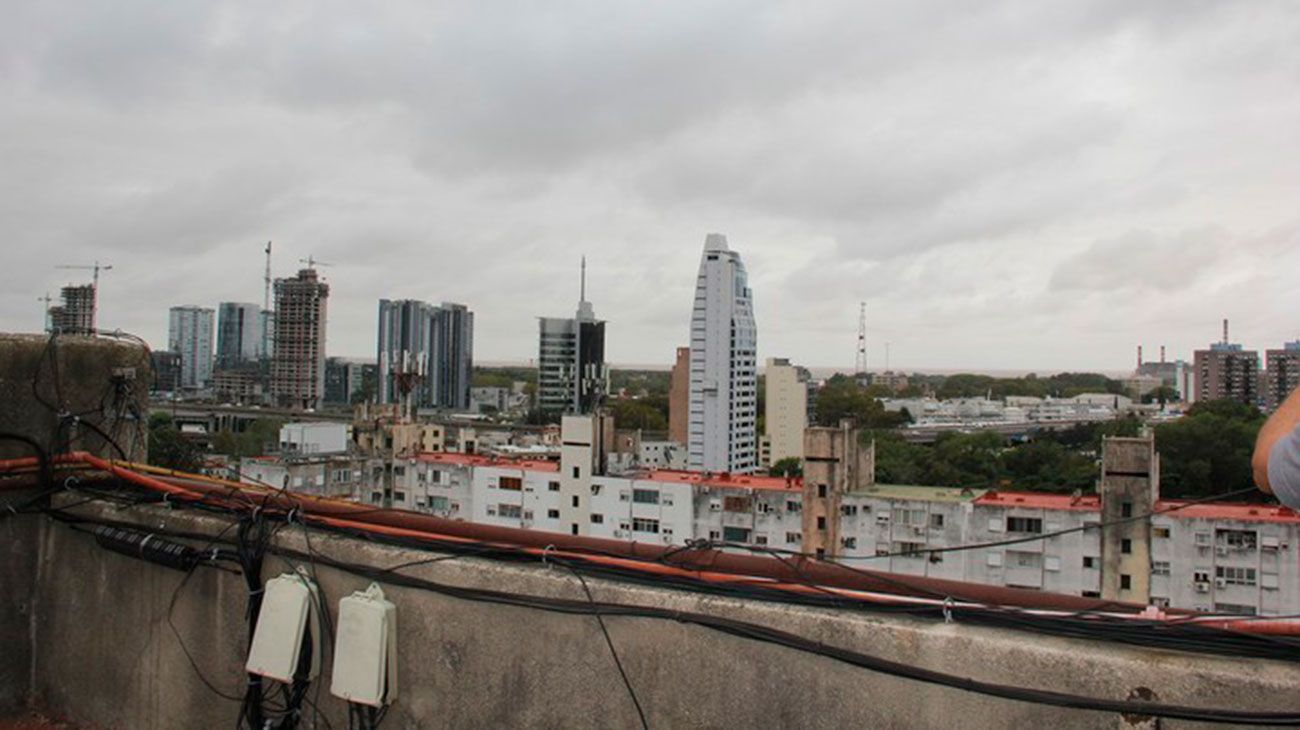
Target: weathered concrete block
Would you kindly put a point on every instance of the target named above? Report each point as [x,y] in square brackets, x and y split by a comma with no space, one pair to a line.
[51,388]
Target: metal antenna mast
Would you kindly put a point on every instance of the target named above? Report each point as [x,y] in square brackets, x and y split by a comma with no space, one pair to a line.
[860,367]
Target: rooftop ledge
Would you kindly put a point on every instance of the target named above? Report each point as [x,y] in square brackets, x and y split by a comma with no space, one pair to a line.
[101,638]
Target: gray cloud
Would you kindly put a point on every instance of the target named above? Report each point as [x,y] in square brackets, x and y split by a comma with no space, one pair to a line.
[1005,185]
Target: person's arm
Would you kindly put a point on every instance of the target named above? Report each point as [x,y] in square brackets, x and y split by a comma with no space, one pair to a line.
[1276,462]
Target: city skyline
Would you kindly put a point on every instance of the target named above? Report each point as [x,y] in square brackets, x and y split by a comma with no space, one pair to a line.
[1022,190]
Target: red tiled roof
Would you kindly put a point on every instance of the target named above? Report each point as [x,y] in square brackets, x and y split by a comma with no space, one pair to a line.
[1230,511]
[442,457]
[1041,500]
[732,481]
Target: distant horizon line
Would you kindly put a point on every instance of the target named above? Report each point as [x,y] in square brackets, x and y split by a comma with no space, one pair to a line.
[822,371]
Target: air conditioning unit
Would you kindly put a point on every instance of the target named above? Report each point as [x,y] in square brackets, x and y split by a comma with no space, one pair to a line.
[1202,587]
[1220,583]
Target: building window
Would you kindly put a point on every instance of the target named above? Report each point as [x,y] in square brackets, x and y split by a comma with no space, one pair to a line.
[821,490]
[758,539]
[575,473]
[1239,608]
[793,538]
[735,534]
[1160,531]
[553,514]
[399,496]
[1236,539]
[597,519]
[936,521]
[793,505]
[849,543]
[1126,509]
[439,504]
[821,523]
[1020,559]
[645,496]
[514,484]
[553,486]
[1159,567]
[1125,582]
[1089,561]
[1126,546]
[595,489]
[736,504]
[1235,576]
[575,500]
[1025,524]
[510,510]
[849,510]
[644,524]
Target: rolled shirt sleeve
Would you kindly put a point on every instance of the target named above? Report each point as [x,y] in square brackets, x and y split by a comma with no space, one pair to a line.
[1284,469]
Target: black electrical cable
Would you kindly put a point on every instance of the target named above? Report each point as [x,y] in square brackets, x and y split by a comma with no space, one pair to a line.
[1082,624]
[618,663]
[793,641]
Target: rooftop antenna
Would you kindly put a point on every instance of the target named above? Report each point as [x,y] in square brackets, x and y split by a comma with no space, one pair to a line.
[582,286]
[96,268]
[860,366]
[1162,354]
[1139,356]
[1225,330]
[266,281]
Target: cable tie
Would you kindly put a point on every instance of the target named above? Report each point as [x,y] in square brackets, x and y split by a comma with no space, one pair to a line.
[546,550]
[255,592]
[947,609]
[167,500]
[70,482]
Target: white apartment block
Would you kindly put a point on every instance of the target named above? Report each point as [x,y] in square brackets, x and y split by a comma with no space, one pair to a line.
[1229,558]
[787,410]
[723,377]
[189,334]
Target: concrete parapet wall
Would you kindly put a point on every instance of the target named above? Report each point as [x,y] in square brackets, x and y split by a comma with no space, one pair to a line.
[104,382]
[105,652]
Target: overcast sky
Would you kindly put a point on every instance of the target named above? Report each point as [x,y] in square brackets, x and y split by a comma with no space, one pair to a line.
[1006,185]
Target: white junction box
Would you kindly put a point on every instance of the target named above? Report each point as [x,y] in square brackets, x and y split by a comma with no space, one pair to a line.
[288,612]
[365,649]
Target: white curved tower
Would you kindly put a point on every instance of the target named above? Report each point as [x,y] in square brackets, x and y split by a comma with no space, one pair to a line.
[724,381]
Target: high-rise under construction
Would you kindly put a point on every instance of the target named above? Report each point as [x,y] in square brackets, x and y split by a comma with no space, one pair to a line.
[298,359]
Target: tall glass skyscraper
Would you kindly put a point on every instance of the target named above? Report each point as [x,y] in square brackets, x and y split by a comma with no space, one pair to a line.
[724,381]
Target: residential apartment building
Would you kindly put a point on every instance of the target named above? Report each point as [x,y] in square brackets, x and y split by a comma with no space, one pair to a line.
[791,394]
[298,360]
[722,417]
[572,376]
[453,357]
[189,334]
[239,335]
[405,357]
[1230,558]
[1227,371]
[1282,373]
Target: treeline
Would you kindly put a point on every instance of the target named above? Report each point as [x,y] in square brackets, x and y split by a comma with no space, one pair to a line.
[1204,453]
[1061,385]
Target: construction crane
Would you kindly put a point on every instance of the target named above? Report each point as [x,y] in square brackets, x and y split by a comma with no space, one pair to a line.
[312,262]
[96,268]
